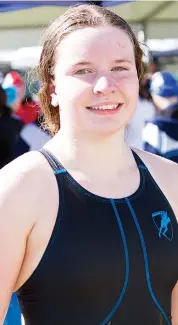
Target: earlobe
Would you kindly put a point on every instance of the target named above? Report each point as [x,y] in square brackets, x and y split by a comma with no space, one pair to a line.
[54,100]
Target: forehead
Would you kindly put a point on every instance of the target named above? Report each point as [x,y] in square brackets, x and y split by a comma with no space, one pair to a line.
[95,43]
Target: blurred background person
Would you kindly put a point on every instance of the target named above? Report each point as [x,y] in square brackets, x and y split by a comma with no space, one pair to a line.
[153,66]
[145,110]
[14,87]
[10,129]
[14,80]
[26,110]
[160,134]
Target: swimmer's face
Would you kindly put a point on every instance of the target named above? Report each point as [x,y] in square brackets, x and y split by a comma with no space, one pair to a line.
[96,68]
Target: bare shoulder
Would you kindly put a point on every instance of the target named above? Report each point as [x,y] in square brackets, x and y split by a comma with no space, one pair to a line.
[24,181]
[158,165]
[165,174]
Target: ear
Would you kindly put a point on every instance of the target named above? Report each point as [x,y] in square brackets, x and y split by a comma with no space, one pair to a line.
[53,96]
[54,100]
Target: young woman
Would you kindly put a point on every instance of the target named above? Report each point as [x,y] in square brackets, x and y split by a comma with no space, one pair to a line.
[88,227]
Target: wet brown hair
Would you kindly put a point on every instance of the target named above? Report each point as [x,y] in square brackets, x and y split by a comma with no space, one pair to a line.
[77,17]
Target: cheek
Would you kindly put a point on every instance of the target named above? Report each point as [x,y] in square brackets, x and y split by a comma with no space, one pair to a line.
[73,91]
[129,87]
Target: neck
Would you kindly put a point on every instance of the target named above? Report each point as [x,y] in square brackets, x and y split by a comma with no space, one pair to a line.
[92,155]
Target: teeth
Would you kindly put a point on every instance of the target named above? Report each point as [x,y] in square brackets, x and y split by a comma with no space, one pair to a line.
[105,107]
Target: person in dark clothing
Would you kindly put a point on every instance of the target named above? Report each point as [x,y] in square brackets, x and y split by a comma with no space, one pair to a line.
[14,88]
[10,129]
[26,109]
[160,134]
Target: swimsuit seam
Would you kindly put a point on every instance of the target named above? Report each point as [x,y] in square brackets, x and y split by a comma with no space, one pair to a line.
[132,197]
[127,266]
[146,260]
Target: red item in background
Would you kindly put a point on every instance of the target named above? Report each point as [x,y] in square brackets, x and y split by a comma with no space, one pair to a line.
[28,112]
[15,79]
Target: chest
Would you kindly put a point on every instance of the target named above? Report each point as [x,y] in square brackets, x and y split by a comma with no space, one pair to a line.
[94,242]
[102,253]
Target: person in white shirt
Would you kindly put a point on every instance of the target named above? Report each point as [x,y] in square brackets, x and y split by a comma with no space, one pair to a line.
[145,110]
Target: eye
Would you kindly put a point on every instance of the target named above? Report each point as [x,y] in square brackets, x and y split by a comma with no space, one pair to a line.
[83,71]
[119,69]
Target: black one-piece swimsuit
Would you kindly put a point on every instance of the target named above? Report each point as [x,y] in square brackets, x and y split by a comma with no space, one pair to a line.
[108,261]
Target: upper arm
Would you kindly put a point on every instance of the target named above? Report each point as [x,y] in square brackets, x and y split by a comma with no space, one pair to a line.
[17,217]
[174,306]
[12,250]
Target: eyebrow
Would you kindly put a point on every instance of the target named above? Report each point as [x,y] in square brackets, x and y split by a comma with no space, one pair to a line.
[122,61]
[84,63]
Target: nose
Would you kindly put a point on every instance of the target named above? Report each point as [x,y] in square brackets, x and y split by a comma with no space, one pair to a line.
[104,85]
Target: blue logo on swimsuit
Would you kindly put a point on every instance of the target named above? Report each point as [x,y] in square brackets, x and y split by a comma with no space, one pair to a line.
[163,224]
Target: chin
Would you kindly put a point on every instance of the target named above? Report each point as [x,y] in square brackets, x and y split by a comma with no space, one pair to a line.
[105,132]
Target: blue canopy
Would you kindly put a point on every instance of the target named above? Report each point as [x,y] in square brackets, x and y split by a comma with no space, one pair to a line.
[6,6]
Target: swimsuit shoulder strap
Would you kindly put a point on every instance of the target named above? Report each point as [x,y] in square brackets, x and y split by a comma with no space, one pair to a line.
[139,161]
[54,163]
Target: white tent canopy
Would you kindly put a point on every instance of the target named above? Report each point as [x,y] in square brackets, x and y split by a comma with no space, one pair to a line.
[144,11]
[159,19]
[32,17]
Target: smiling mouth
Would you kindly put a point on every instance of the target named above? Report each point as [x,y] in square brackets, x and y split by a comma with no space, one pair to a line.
[103,109]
